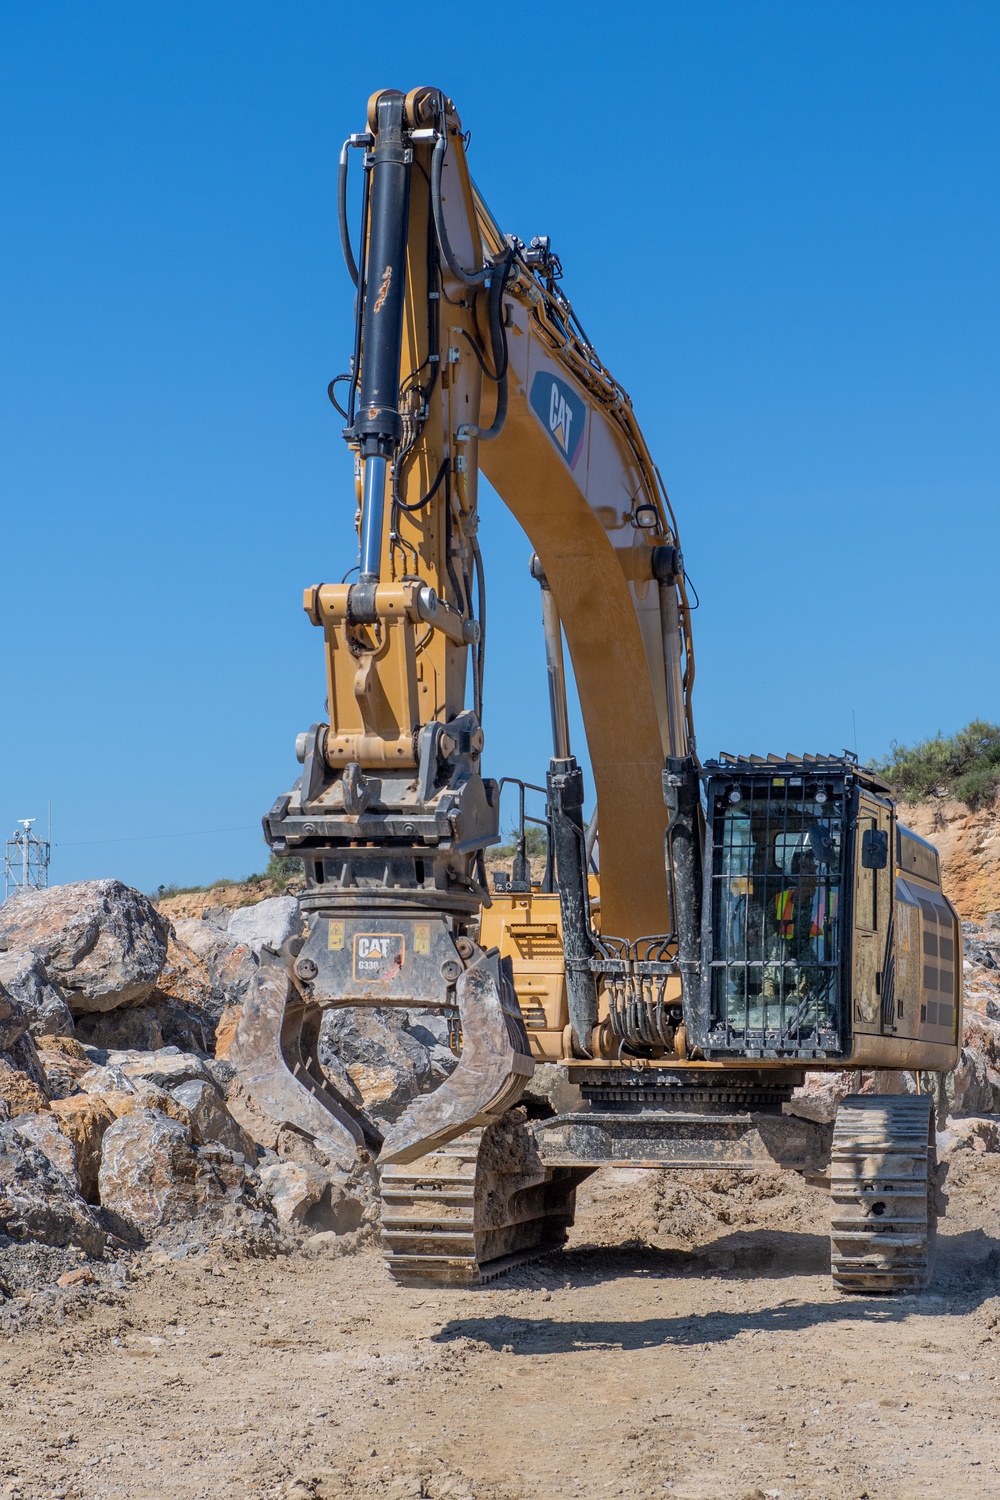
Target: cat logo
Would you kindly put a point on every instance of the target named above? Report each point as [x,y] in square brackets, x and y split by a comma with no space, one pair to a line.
[378,956]
[561,412]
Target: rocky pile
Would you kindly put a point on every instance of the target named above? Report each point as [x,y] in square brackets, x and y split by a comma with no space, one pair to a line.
[122,1122]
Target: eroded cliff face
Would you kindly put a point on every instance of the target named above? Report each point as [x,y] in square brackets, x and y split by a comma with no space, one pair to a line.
[969,845]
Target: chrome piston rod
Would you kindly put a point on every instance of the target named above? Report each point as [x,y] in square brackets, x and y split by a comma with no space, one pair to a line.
[372,510]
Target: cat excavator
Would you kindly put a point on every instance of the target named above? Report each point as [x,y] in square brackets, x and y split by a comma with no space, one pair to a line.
[714,931]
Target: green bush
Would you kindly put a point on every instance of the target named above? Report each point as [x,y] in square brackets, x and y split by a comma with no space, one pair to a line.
[535,843]
[965,766]
[281,872]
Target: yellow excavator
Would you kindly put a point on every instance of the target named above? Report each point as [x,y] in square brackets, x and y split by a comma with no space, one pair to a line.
[714,931]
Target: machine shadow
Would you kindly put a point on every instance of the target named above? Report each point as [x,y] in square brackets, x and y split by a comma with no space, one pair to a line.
[966,1272]
[966,1275]
[552,1336]
[759,1253]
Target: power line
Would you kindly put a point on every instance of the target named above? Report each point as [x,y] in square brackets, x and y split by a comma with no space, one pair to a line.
[139,838]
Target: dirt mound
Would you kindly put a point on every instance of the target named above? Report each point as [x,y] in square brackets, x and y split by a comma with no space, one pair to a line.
[228,897]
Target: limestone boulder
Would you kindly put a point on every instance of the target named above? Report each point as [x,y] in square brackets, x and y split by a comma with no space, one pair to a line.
[294,1187]
[186,1002]
[152,1176]
[145,1095]
[231,965]
[37,1202]
[19,1094]
[981,970]
[820,1095]
[23,1086]
[185,977]
[14,1019]
[261,1128]
[211,1121]
[25,978]
[63,1062]
[267,923]
[225,1030]
[982,945]
[975,1085]
[388,1058]
[43,1130]
[970,1133]
[132,1028]
[83,1120]
[158,1022]
[102,1079]
[165,1067]
[103,943]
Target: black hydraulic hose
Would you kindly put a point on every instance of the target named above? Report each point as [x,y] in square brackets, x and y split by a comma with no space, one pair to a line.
[359,305]
[477,558]
[345,231]
[479,358]
[462,599]
[498,343]
[469,278]
[419,504]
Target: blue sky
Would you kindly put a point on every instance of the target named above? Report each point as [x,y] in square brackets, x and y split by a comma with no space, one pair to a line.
[779,225]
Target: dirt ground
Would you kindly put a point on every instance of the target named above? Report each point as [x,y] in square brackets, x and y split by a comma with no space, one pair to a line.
[687,1345]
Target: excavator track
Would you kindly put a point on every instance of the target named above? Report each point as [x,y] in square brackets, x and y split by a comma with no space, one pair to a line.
[475,1209]
[883,1192]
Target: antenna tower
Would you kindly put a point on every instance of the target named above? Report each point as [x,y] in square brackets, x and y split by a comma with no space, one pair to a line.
[26,859]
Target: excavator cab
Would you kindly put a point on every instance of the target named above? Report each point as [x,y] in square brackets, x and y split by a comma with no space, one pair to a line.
[775,914]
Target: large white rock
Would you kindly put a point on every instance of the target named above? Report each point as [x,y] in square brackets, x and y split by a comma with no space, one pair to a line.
[211,1120]
[166,1067]
[229,965]
[151,1175]
[268,923]
[388,1058]
[23,975]
[42,1130]
[103,943]
[37,1202]
[294,1187]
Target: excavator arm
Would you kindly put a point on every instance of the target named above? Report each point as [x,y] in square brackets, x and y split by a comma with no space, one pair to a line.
[467,357]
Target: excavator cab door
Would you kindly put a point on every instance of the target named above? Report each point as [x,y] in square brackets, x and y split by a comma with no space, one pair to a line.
[772,964]
[872,963]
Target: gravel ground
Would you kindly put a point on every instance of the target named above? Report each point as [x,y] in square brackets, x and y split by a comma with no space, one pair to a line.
[687,1345]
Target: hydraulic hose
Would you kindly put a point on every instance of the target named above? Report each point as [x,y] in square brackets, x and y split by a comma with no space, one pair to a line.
[469,278]
[345,231]
[498,346]
[477,558]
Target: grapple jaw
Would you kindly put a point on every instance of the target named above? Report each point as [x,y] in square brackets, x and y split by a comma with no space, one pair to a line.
[492,1072]
[275,1053]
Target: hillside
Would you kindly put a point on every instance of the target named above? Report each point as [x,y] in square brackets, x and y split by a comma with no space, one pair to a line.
[949,791]
[968,841]
[229,896]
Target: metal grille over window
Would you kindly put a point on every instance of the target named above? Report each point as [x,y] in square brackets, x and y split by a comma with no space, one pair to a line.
[777,863]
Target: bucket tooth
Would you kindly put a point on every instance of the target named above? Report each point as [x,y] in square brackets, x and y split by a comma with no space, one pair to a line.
[274,1053]
[491,1075]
